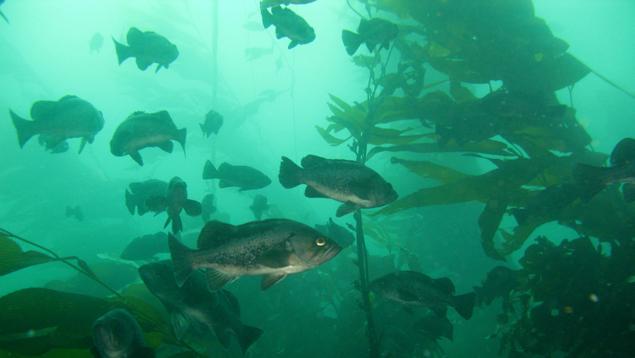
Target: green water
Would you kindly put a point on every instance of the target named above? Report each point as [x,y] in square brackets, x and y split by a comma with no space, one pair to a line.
[575,302]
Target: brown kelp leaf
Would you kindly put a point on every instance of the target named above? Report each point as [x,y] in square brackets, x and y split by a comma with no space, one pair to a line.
[47,319]
[502,183]
[12,258]
[426,169]
[488,222]
[383,136]
[329,138]
[487,146]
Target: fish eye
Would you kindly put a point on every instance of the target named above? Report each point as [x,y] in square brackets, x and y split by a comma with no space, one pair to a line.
[320,241]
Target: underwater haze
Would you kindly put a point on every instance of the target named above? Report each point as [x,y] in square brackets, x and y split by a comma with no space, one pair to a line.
[317,178]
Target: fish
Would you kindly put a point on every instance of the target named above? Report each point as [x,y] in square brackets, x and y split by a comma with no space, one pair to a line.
[352,183]
[147,48]
[212,124]
[374,32]
[174,201]
[146,247]
[411,288]
[208,206]
[57,121]
[621,170]
[138,193]
[272,248]
[434,326]
[343,236]
[259,206]
[142,130]
[288,24]
[75,212]
[193,305]
[272,3]
[117,334]
[96,43]
[240,176]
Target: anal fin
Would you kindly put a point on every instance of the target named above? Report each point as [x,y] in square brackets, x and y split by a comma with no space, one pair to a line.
[271,279]
[217,279]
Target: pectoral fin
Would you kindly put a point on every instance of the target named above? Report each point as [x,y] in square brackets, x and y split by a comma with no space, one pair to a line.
[271,279]
[137,157]
[274,259]
[166,146]
[82,144]
[345,209]
[192,207]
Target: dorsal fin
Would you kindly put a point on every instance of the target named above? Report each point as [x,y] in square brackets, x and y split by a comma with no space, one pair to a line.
[312,161]
[214,234]
[445,285]
[43,110]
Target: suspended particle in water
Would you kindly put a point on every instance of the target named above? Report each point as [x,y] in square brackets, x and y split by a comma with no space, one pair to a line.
[594,298]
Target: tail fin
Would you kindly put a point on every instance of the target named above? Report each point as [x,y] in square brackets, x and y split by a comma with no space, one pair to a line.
[26,129]
[290,173]
[180,259]
[203,129]
[592,178]
[267,18]
[123,52]
[248,336]
[210,171]
[4,17]
[464,304]
[351,41]
[181,136]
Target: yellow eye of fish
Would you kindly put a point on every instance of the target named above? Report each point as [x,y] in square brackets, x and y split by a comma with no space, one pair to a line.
[320,241]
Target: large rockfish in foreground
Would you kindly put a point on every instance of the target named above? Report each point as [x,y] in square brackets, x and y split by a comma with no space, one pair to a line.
[57,121]
[347,181]
[196,313]
[272,248]
[142,130]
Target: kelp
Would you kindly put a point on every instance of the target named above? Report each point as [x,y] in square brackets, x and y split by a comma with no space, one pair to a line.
[38,320]
[14,259]
[580,299]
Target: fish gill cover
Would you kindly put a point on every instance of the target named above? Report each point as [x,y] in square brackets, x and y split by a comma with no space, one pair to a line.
[470,207]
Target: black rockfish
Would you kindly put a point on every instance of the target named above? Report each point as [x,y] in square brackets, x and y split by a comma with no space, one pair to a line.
[196,311]
[347,181]
[147,47]
[117,334]
[173,202]
[142,130]
[57,121]
[412,288]
[272,248]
